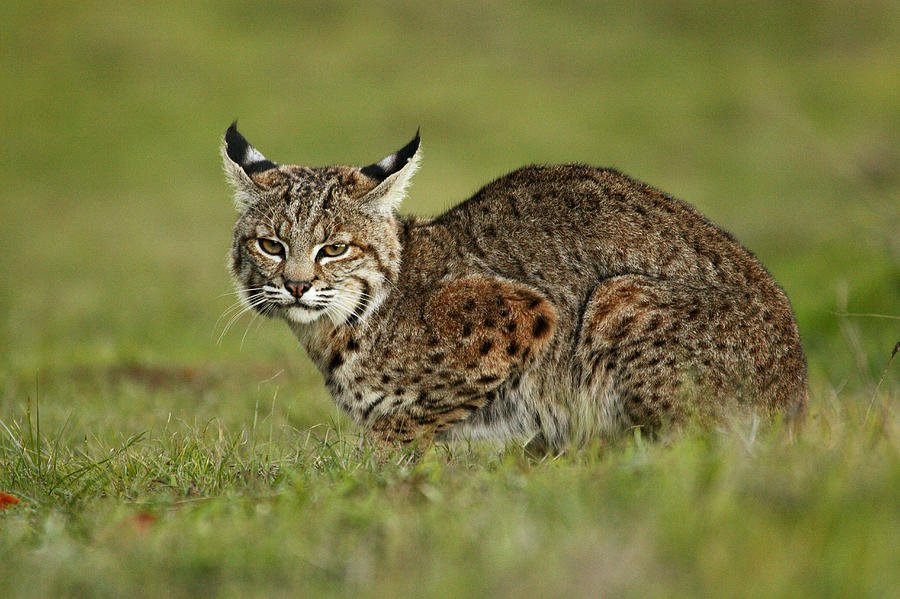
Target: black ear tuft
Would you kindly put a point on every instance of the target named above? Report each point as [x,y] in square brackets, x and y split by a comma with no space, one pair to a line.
[235,144]
[239,151]
[388,166]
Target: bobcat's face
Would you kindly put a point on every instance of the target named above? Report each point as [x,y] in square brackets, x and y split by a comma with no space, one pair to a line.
[314,242]
[308,248]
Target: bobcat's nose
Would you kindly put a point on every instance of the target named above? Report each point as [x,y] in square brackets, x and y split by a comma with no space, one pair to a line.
[297,288]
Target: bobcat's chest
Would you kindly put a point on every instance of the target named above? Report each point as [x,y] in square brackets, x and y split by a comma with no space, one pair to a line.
[359,380]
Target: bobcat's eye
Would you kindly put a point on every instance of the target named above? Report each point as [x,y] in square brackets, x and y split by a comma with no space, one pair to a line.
[270,246]
[332,251]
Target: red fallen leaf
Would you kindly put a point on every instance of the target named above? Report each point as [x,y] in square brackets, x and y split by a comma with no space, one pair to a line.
[7,500]
[142,521]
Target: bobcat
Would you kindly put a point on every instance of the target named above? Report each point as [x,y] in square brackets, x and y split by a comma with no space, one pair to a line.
[559,303]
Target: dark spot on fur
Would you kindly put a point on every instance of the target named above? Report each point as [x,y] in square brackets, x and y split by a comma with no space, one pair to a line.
[422,397]
[533,302]
[624,327]
[487,379]
[399,391]
[368,409]
[385,378]
[352,345]
[437,357]
[540,326]
[486,347]
[489,322]
[631,356]
[653,323]
[428,370]
[424,419]
[432,341]
[469,305]
[336,360]
[513,348]
[467,329]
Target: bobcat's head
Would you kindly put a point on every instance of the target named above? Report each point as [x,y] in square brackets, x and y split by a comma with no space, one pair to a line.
[313,242]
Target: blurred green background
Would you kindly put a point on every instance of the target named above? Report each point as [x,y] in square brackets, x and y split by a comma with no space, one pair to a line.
[779,120]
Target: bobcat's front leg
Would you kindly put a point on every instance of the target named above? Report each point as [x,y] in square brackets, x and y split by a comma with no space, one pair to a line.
[478,333]
[419,424]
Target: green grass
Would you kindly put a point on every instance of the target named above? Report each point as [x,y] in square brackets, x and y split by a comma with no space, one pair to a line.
[167,464]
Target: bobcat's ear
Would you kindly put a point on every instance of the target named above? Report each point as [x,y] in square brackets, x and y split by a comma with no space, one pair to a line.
[392,175]
[242,161]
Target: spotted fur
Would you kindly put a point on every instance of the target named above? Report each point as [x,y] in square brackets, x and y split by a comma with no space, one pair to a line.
[559,302]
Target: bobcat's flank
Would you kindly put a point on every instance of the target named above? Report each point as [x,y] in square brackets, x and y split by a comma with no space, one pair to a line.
[559,302]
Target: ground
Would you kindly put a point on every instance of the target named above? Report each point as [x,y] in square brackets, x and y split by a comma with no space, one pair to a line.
[141,454]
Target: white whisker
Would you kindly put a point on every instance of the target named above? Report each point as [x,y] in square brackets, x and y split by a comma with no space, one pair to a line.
[249,290]
[227,313]
[249,306]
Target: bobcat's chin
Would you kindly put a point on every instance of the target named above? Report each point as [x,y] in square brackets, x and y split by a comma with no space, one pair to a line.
[302,315]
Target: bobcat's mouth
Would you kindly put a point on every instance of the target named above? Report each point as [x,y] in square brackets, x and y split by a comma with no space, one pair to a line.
[299,303]
[303,309]
[341,305]
[302,313]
